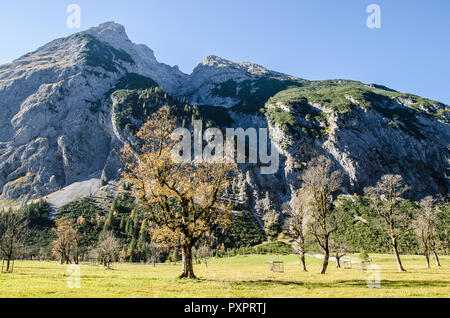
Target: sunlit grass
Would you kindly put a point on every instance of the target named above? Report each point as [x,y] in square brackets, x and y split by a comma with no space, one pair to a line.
[242,276]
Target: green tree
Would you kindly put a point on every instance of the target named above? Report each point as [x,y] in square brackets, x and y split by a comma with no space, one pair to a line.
[109,223]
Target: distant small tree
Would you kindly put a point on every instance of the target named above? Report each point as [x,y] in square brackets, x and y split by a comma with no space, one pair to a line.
[385,197]
[321,180]
[340,248]
[175,255]
[79,248]
[422,226]
[122,256]
[92,255]
[297,224]
[66,243]
[364,256]
[340,242]
[13,232]
[108,248]
[440,241]
[204,252]
[155,253]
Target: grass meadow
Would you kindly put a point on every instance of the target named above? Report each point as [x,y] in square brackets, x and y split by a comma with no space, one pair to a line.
[236,277]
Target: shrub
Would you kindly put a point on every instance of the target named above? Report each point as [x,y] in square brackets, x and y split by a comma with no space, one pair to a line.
[364,256]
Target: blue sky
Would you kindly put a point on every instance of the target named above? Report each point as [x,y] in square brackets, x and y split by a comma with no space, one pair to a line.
[313,39]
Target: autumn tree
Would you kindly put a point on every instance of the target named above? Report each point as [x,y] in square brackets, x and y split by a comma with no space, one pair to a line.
[67,240]
[79,247]
[108,248]
[13,232]
[183,200]
[297,224]
[154,252]
[321,180]
[385,197]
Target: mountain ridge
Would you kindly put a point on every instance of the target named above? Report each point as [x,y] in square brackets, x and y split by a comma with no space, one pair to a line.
[59,122]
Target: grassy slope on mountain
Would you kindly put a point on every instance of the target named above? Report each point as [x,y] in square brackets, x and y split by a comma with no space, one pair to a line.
[342,97]
[253,94]
[100,54]
[339,96]
[334,94]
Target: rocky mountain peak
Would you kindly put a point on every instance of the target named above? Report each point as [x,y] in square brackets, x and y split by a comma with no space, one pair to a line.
[222,64]
[109,32]
[115,35]
[217,81]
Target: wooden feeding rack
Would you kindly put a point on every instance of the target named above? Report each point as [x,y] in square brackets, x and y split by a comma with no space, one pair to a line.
[347,264]
[276,267]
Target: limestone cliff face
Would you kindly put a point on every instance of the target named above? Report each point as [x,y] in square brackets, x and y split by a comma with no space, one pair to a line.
[366,145]
[60,122]
[55,127]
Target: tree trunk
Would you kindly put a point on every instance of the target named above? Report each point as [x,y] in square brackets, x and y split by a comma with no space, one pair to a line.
[303,261]
[66,257]
[326,257]
[7,265]
[436,258]
[397,256]
[427,256]
[188,268]
[338,261]
[426,250]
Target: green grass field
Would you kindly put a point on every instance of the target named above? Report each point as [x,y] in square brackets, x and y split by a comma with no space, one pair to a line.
[242,276]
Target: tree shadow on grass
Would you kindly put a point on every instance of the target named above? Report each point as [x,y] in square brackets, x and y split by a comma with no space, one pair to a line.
[342,283]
